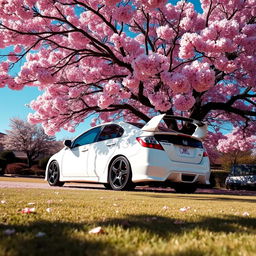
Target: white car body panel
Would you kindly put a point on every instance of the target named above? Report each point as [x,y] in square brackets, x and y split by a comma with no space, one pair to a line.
[90,163]
[75,159]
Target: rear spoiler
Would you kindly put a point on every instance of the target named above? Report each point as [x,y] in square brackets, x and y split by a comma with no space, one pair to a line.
[152,126]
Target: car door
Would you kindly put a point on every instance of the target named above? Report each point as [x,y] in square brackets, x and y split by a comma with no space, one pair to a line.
[102,151]
[74,161]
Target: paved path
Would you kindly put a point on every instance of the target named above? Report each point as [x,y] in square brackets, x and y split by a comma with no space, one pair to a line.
[87,186]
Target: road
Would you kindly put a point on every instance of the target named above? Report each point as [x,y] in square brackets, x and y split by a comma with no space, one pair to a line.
[17,182]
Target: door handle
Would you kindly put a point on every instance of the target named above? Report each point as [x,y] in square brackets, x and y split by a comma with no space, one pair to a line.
[111,144]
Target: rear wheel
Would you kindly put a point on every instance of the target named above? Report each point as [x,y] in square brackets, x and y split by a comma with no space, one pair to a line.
[107,186]
[53,174]
[120,174]
[185,188]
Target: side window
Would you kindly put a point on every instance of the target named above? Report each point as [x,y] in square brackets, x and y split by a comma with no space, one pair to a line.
[86,138]
[110,132]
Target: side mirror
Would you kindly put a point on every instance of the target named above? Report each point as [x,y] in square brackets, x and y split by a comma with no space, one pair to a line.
[67,143]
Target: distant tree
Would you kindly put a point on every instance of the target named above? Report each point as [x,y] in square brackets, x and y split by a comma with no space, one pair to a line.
[236,157]
[27,138]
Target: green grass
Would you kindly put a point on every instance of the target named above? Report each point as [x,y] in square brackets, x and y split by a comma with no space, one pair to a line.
[134,223]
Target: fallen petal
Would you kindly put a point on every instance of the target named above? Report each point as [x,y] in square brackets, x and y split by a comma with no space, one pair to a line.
[246,214]
[31,203]
[28,210]
[178,222]
[97,230]
[40,234]
[184,209]
[9,232]
[49,202]
[49,210]
[3,202]
[165,208]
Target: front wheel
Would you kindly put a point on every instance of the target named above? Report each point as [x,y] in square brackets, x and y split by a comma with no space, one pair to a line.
[185,188]
[53,174]
[120,174]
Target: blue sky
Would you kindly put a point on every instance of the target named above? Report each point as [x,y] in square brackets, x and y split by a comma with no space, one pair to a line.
[13,103]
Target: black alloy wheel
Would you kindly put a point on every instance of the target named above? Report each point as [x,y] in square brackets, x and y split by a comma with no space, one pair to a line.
[53,174]
[120,174]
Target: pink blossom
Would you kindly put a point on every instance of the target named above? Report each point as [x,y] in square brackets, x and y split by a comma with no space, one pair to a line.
[123,13]
[104,101]
[147,66]
[171,58]
[183,102]
[112,88]
[165,32]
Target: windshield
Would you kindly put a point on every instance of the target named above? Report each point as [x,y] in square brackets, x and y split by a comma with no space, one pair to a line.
[243,170]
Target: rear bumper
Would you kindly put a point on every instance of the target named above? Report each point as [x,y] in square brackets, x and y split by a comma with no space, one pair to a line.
[154,166]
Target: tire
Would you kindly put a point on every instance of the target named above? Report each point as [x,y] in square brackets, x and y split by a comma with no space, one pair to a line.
[185,188]
[120,174]
[107,185]
[53,174]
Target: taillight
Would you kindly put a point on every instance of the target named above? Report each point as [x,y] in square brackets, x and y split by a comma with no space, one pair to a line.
[205,154]
[149,142]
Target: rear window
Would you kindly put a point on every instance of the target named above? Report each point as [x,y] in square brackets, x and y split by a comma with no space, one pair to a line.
[179,140]
[161,127]
[138,125]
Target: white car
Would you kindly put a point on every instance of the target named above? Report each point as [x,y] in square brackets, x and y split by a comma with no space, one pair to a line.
[122,155]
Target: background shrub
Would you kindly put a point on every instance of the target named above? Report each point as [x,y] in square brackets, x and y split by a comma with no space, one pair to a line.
[8,155]
[36,170]
[43,162]
[18,169]
[3,164]
[218,177]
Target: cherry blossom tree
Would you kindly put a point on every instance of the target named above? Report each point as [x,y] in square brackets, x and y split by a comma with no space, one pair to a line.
[133,59]
[29,139]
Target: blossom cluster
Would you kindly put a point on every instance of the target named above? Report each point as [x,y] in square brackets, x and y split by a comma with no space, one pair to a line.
[126,60]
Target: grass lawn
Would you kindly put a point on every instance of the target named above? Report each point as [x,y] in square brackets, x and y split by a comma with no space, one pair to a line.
[134,223]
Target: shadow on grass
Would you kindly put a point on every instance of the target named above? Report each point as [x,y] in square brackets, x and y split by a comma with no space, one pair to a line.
[61,238]
[164,226]
[67,238]
[200,197]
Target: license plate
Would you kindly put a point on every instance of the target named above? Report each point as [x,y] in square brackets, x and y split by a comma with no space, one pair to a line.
[184,151]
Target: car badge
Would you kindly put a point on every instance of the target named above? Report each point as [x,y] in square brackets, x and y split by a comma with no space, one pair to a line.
[185,142]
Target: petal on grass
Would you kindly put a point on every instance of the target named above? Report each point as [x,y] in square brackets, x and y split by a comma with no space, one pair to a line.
[165,208]
[31,203]
[97,230]
[3,202]
[184,209]
[178,222]
[40,234]
[9,232]
[28,210]
[246,214]
[49,210]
